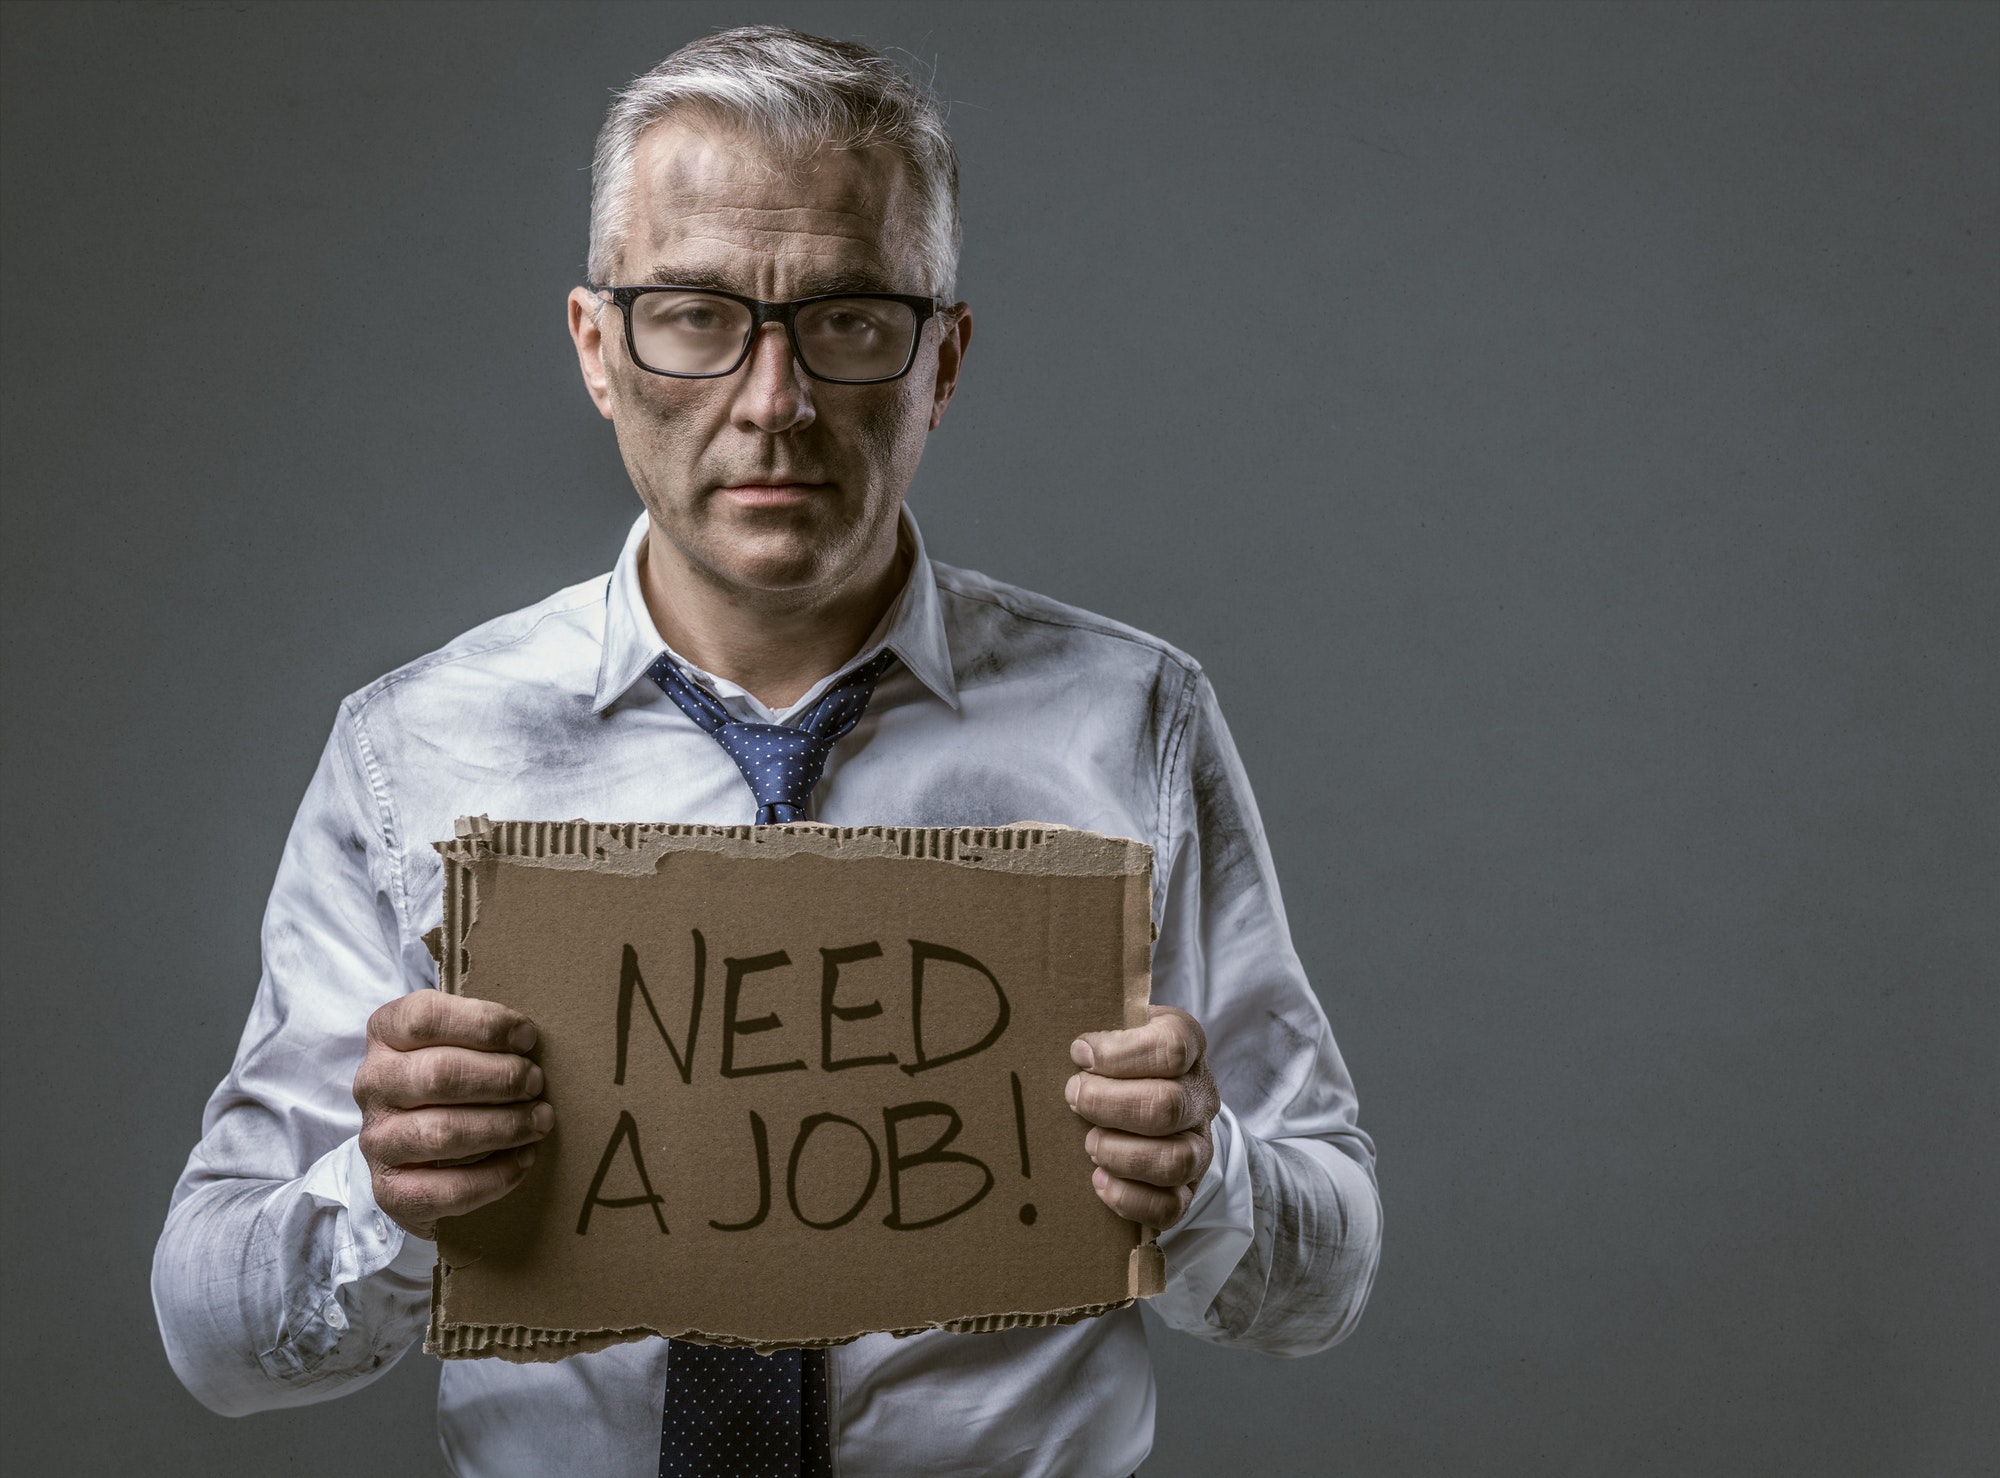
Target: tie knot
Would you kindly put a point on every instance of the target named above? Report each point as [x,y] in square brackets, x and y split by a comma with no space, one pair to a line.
[782,764]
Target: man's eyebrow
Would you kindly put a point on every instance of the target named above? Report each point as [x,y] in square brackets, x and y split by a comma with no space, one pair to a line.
[849,281]
[689,277]
[810,285]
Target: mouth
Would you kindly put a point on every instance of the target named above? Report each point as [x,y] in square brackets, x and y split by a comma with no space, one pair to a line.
[773,494]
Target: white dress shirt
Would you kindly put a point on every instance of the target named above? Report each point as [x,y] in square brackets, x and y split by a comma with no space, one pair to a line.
[278,1281]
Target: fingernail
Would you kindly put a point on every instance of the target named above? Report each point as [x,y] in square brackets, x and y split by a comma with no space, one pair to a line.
[1072,1088]
[522,1037]
[534,1080]
[1100,1178]
[1081,1055]
[1090,1142]
[543,1117]
[527,1155]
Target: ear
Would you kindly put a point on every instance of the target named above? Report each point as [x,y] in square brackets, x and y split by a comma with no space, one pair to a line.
[954,338]
[586,332]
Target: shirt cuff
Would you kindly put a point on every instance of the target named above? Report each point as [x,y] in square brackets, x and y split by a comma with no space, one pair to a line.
[416,1257]
[373,1241]
[1203,1248]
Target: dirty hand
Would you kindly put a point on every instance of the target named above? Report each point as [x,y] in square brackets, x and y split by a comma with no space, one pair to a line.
[450,1107]
[1149,1092]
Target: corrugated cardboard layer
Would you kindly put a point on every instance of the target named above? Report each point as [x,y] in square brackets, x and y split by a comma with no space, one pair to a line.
[808,1081]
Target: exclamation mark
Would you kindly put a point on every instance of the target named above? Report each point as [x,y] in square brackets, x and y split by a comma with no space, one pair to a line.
[1021,1138]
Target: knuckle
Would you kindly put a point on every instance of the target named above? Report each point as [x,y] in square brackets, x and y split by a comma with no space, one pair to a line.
[392,1140]
[422,1017]
[435,1135]
[1176,1162]
[444,1078]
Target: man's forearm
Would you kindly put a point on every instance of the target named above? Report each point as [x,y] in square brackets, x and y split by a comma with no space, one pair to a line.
[272,1294]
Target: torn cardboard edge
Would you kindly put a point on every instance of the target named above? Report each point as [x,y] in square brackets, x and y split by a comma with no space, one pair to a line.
[524,1345]
[637,848]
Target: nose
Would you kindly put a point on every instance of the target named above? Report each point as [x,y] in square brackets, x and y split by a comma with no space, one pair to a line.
[774,393]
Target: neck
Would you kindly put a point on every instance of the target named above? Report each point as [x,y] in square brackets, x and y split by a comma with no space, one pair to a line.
[774,646]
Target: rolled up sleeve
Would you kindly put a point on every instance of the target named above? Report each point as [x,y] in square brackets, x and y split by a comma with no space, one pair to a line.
[1278,1249]
[277,1281]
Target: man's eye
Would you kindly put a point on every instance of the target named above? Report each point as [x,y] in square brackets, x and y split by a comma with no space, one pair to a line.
[694,320]
[847,323]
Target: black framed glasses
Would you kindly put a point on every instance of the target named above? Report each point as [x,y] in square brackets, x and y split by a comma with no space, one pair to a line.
[701,333]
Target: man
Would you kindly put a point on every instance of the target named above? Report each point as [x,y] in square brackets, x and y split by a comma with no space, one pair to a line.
[771,333]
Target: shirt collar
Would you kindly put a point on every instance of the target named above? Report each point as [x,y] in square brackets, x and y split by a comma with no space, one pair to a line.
[915,629]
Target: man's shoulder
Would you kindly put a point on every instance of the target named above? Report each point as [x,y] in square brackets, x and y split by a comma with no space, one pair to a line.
[983,614]
[554,642]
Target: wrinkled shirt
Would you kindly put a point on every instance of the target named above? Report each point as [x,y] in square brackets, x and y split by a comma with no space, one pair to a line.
[278,1281]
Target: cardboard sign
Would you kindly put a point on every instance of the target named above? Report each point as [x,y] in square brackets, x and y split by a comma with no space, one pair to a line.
[808,1082]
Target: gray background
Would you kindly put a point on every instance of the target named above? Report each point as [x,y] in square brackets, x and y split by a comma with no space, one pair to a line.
[1566,433]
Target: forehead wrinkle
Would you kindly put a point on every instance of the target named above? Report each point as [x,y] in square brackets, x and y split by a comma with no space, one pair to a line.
[779,230]
[769,228]
[737,249]
[721,247]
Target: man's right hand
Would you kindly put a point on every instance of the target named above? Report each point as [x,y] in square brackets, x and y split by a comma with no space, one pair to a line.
[450,1107]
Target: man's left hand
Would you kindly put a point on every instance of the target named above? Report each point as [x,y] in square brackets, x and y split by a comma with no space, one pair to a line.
[1149,1092]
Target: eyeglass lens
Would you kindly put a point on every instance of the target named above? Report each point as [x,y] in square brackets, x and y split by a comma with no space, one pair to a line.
[695,333]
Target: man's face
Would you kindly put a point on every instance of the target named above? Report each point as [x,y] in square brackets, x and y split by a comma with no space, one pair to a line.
[766,480]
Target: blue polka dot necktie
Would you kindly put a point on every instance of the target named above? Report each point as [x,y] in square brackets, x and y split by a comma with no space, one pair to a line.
[782,762]
[731,1411]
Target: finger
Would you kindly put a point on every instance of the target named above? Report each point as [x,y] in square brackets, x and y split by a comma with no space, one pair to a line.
[1171,1045]
[1177,1160]
[1148,1205]
[425,1136]
[415,1196]
[1152,1106]
[445,1075]
[431,1018]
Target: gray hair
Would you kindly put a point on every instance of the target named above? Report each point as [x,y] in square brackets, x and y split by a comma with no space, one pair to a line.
[797,95]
